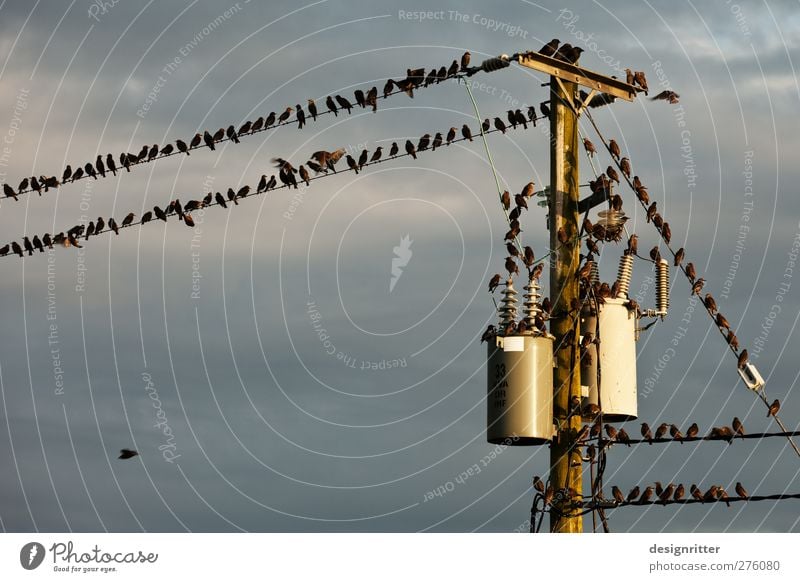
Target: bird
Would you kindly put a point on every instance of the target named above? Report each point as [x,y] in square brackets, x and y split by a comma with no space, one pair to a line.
[612,174]
[614,149]
[589,147]
[634,493]
[625,166]
[209,140]
[680,491]
[698,286]
[151,155]
[741,491]
[188,220]
[679,258]
[101,168]
[488,334]
[711,494]
[360,98]
[667,95]
[465,131]
[639,77]
[9,192]
[692,431]
[618,495]
[774,408]
[629,77]
[305,176]
[353,164]
[312,109]
[110,164]
[562,51]
[662,430]
[301,117]
[675,433]
[270,119]
[690,272]
[127,454]
[665,496]
[611,432]
[545,109]
[647,434]
[128,220]
[424,142]
[451,135]
[16,249]
[511,266]
[246,127]
[285,115]
[195,141]
[742,360]
[344,103]
[499,125]
[494,282]
[722,494]
[26,242]
[112,224]
[410,149]
[167,149]
[465,61]
[550,48]
[218,197]
[362,159]
[89,170]
[732,340]
[512,250]
[647,495]
[538,484]
[372,98]
[738,427]
[394,149]
[696,493]
[623,437]
[387,88]
[146,217]
[376,155]
[99,225]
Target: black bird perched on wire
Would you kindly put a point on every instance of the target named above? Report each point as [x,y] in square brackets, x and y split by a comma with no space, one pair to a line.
[246,127]
[465,61]
[301,117]
[26,242]
[209,140]
[101,168]
[344,104]
[451,135]
[544,108]
[362,159]
[89,170]
[312,109]
[152,153]
[9,192]
[465,131]
[423,143]
[110,164]
[437,141]
[499,125]
[68,173]
[361,100]
[182,147]
[270,119]
[376,155]
[494,282]
[331,106]
[394,149]
[231,133]
[562,52]
[352,163]
[410,149]
[285,115]
[372,98]
[167,149]
[127,454]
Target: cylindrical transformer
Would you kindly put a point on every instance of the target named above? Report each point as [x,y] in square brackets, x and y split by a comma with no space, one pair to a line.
[520,390]
[615,393]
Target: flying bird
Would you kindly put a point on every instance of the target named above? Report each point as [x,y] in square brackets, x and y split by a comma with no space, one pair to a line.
[670,96]
[127,454]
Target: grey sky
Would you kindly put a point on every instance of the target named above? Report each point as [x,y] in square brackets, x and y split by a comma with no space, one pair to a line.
[273,433]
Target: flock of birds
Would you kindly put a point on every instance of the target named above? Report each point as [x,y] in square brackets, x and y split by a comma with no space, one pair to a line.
[656,493]
[103,166]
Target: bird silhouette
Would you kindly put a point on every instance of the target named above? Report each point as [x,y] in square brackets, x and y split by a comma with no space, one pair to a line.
[394,149]
[410,149]
[344,104]
[741,491]
[127,454]
[301,116]
[465,131]
[312,109]
[209,140]
[647,433]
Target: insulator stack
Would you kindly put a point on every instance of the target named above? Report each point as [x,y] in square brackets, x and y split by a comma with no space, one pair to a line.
[624,273]
[594,274]
[662,287]
[508,305]
[532,302]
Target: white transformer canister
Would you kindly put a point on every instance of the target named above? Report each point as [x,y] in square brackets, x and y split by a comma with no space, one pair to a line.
[520,390]
[617,358]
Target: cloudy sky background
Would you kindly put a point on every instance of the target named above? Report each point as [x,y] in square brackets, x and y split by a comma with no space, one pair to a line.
[275,434]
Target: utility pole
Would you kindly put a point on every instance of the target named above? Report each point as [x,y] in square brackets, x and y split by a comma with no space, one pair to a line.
[565,458]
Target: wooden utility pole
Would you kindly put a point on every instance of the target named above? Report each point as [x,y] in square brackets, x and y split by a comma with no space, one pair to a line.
[565,459]
[565,78]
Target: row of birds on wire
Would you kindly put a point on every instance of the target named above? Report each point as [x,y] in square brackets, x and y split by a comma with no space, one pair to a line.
[656,492]
[321,163]
[108,164]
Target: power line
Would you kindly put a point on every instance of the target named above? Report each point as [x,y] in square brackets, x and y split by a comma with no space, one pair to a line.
[311,178]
